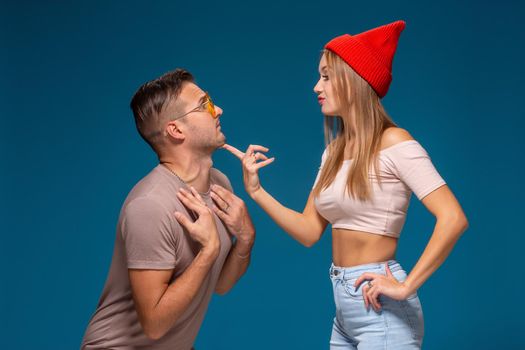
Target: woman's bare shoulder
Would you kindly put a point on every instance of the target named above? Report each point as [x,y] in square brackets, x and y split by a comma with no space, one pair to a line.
[394,135]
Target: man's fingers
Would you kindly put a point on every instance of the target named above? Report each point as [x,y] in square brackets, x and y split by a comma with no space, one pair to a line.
[193,204]
[220,202]
[222,215]
[223,193]
[197,195]
[193,196]
[183,220]
[233,150]
[189,197]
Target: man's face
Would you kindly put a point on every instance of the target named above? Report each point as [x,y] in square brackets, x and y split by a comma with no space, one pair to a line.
[201,130]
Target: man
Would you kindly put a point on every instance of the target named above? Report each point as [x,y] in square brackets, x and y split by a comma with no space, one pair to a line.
[181,235]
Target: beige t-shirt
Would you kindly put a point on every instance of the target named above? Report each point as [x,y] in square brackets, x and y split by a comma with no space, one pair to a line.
[149,237]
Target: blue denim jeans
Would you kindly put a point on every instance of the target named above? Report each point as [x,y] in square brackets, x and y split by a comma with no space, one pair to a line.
[397,325]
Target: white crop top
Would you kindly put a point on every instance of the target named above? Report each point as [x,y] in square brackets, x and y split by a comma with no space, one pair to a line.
[403,168]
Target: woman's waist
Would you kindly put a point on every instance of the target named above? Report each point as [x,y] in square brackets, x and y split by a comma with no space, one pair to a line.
[354,272]
[357,239]
[352,247]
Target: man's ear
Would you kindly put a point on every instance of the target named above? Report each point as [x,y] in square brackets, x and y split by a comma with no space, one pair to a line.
[175,129]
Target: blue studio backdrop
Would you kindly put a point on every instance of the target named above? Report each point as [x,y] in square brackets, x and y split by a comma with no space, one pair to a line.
[71,153]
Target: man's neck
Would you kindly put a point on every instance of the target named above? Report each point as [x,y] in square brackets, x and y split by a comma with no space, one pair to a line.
[193,169]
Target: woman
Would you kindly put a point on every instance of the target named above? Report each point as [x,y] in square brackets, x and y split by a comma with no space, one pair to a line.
[368,171]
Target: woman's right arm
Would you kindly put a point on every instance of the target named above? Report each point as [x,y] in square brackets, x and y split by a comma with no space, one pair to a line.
[306,227]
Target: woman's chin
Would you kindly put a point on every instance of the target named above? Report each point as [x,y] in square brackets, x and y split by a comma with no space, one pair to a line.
[330,114]
[328,111]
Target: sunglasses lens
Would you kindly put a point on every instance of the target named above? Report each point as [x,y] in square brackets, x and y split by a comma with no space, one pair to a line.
[211,108]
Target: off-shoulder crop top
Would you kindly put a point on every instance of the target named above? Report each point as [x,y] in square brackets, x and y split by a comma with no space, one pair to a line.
[404,168]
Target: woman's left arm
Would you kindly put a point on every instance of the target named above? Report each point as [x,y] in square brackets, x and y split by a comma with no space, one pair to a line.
[451,222]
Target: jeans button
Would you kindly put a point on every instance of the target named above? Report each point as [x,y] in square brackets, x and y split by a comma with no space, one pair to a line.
[336,272]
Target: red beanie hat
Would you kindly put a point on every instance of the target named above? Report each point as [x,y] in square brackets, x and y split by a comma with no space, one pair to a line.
[370,53]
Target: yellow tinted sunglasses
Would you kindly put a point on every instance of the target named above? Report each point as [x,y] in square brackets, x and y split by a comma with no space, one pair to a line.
[210,107]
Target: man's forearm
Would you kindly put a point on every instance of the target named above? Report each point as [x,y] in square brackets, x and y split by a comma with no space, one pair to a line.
[235,266]
[178,295]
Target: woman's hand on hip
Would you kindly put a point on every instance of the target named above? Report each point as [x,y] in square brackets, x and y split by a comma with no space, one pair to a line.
[377,284]
[250,166]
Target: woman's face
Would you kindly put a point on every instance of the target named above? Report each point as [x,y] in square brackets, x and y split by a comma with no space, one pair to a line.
[325,90]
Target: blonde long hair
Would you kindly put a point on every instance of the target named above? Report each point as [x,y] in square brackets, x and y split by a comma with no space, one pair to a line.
[362,124]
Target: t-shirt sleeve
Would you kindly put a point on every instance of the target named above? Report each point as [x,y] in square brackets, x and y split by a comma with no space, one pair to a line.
[150,235]
[323,159]
[412,165]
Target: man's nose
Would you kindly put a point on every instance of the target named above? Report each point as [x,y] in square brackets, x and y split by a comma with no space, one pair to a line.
[218,111]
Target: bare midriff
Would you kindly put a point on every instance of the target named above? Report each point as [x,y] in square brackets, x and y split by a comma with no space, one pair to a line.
[352,248]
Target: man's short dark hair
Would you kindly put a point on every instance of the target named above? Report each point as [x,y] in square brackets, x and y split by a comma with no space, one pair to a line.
[151,98]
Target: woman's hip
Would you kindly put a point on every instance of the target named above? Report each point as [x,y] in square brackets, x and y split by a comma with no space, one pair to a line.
[397,320]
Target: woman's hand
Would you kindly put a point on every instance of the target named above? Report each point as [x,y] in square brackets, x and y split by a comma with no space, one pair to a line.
[250,167]
[381,285]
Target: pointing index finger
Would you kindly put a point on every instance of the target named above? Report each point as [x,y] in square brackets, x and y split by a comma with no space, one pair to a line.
[233,150]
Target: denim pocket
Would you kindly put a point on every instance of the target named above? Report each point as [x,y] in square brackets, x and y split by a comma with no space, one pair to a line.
[403,318]
[351,291]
